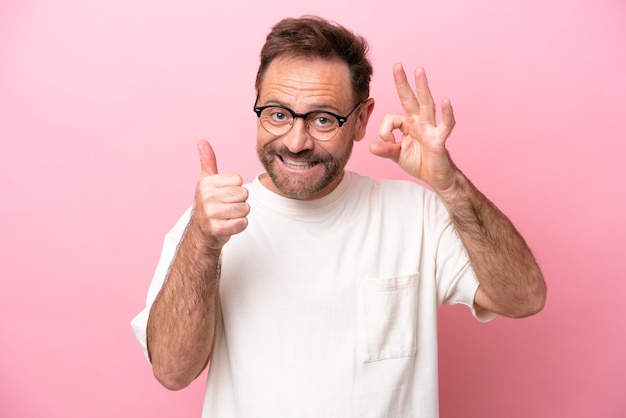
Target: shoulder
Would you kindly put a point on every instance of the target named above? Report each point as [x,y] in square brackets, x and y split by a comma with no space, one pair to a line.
[401,196]
[401,189]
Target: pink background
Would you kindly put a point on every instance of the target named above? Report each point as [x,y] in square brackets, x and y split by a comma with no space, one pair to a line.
[101,104]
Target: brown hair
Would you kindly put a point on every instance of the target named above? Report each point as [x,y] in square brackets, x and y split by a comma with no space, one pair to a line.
[315,37]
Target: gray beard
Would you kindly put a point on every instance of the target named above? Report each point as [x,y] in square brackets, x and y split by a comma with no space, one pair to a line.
[302,189]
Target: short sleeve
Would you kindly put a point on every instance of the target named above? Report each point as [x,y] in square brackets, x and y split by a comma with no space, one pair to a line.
[139,323]
[456,280]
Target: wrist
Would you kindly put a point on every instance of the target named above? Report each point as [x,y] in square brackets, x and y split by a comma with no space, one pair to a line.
[198,235]
[452,186]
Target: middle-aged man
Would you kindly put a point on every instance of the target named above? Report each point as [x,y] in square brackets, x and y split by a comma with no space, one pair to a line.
[313,291]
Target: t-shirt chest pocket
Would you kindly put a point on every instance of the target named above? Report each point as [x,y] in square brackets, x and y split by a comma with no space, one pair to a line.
[387,317]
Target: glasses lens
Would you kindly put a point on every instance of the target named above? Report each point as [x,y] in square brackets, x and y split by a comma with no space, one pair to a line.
[276,120]
[322,126]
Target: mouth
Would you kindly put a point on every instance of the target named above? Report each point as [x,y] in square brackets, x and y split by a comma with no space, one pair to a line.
[297,165]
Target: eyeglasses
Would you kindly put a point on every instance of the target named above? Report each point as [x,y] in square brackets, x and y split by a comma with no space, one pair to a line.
[320,124]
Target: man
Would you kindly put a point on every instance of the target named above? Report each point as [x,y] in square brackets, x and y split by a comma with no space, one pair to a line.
[313,291]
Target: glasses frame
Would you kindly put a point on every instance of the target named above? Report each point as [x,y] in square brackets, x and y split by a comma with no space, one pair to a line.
[340,119]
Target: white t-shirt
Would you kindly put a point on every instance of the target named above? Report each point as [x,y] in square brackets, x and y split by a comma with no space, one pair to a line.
[329,307]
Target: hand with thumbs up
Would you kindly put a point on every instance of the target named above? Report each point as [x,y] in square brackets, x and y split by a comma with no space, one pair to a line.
[220,208]
[182,322]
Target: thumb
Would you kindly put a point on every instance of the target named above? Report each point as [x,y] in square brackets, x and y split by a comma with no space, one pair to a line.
[208,163]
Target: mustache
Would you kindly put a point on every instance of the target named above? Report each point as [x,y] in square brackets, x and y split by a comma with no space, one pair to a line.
[307,155]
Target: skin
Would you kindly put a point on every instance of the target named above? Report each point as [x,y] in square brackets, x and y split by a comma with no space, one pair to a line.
[511,283]
[182,325]
[298,166]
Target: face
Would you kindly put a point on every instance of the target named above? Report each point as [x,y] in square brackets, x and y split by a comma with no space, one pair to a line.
[298,166]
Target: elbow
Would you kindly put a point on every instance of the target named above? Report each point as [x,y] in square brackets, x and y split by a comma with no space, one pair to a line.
[171,371]
[520,302]
[171,381]
[531,308]
[179,374]
[533,301]
[539,302]
[169,376]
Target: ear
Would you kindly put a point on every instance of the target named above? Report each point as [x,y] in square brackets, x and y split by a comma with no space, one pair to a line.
[364,116]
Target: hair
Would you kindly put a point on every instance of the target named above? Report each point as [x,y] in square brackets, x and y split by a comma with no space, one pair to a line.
[315,37]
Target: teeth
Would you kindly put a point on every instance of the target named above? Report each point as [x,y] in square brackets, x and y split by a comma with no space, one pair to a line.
[298,165]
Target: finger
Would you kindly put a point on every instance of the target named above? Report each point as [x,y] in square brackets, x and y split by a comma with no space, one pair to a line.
[208,163]
[390,123]
[230,227]
[220,181]
[405,93]
[217,212]
[424,96]
[232,194]
[447,118]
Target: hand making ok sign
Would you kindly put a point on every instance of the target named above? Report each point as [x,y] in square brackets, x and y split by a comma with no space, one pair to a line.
[421,152]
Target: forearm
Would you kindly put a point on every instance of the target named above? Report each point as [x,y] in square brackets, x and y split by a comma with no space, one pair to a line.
[511,282]
[181,326]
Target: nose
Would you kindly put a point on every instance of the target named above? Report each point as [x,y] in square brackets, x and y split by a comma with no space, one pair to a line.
[298,139]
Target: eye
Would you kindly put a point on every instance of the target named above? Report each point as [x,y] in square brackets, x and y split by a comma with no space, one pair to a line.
[277,115]
[323,121]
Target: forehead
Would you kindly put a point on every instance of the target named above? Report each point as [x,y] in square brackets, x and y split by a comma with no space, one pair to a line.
[307,82]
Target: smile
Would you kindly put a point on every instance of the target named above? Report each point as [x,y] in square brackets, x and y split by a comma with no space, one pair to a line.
[297,165]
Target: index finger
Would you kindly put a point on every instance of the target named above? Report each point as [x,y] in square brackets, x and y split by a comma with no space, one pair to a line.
[208,162]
